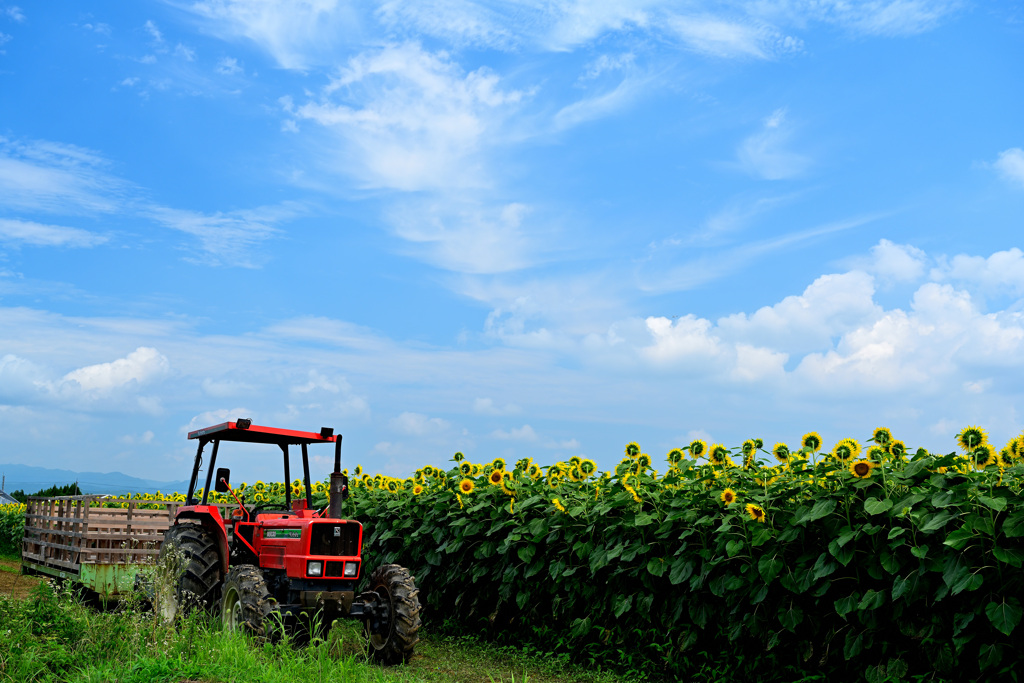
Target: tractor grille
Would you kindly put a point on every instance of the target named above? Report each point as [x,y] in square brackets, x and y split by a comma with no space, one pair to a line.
[322,540]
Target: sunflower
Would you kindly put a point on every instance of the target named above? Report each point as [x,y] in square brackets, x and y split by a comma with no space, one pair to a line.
[258,486]
[861,468]
[588,467]
[1005,458]
[466,486]
[758,443]
[728,496]
[498,464]
[643,460]
[458,457]
[748,448]
[843,451]
[554,482]
[675,456]
[258,497]
[881,436]
[478,470]
[296,490]
[534,471]
[465,469]
[697,448]
[558,504]
[495,477]
[632,449]
[756,512]
[417,489]
[897,449]
[983,456]
[1016,447]
[876,454]
[718,454]
[811,441]
[971,437]
[557,470]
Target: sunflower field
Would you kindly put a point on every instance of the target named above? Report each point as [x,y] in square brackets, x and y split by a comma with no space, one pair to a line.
[863,562]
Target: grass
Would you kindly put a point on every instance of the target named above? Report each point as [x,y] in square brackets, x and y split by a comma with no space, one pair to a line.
[12,583]
[47,634]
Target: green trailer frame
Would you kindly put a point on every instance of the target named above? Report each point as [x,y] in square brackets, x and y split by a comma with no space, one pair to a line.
[100,542]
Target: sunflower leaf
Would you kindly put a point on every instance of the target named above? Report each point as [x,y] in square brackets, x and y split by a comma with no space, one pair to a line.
[820,509]
[853,646]
[1013,526]
[846,605]
[936,522]
[1011,556]
[997,504]
[873,506]
[769,567]
[656,566]
[1004,615]
[958,539]
[872,600]
[681,570]
[790,618]
[527,552]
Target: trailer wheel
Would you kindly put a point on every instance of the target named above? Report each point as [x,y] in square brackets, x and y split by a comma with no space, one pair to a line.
[247,607]
[393,628]
[188,572]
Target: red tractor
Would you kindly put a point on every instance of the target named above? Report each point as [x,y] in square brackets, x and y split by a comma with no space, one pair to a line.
[271,569]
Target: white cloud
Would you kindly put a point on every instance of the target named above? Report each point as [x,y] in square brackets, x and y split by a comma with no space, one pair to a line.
[466,237]
[896,262]
[216,417]
[185,52]
[297,33]
[417,424]
[141,365]
[564,445]
[765,153]
[720,37]
[48,176]
[459,22]
[228,66]
[130,81]
[38,234]
[153,31]
[319,382]
[524,433]
[1000,273]
[134,439]
[486,406]
[1010,165]
[606,63]
[228,238]
[408,119]
[15,13]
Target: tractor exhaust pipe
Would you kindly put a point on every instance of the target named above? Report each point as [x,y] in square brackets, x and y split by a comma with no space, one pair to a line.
[339,483]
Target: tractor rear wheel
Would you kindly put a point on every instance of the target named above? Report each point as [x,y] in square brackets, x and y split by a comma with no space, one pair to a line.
[393,637]
[189,553]
[247,606]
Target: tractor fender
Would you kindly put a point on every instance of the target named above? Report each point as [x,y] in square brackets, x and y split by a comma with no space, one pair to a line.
[209,516]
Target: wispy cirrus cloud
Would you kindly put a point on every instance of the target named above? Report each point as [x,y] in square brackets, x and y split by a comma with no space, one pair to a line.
[766,153]
[39,234]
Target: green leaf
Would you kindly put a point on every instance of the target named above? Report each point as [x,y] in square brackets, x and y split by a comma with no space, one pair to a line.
[1011,556]
[896,531]
[623,603]
[1004,615]
[656,566]
[733,547]
[943,499]
[919,551]
[936,522]
[761,536]
[916,466]
[681,570]
[900,586]
[643,519]
[791,617]
[997,504]
[526,552]
[846,605]
[872,600]
[843,554]
[958,539]
[1013,526]
[853,646]
[873,506]
[847,536]
[820,509]
[769,567]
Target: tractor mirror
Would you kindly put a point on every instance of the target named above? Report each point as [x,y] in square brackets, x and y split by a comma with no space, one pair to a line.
[223,477]
[344,487]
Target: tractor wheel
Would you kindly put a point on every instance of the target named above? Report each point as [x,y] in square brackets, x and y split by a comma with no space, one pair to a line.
[192,572]
[247,607]
[393,637]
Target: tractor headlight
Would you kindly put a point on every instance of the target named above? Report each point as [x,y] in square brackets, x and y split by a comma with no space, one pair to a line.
[315,568]
[351,569]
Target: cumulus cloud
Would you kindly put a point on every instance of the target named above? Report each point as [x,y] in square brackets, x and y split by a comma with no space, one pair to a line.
[38,234]
[1000,273]
[228,66]
[487,406]
[524,433]
[1010,165]
[417,424]
[140,366]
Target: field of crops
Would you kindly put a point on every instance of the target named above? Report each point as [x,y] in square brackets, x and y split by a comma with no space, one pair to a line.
[859,560]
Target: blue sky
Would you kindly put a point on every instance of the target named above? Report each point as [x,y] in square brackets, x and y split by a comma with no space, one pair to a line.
[539,228]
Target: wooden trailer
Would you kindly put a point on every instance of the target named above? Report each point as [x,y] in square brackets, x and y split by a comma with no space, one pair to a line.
[85,539]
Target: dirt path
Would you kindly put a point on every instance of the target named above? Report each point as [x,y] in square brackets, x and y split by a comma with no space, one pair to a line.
[12,583]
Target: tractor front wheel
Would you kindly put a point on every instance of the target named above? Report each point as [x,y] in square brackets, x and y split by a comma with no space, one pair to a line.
[393,628]
[246,604]
[189,571]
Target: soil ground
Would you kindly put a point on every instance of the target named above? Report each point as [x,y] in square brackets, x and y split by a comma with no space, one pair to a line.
[12,583]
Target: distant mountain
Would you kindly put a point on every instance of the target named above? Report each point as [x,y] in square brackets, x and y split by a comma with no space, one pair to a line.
[31,479]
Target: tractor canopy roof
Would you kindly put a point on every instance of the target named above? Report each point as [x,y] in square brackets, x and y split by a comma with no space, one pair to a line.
[245,431]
